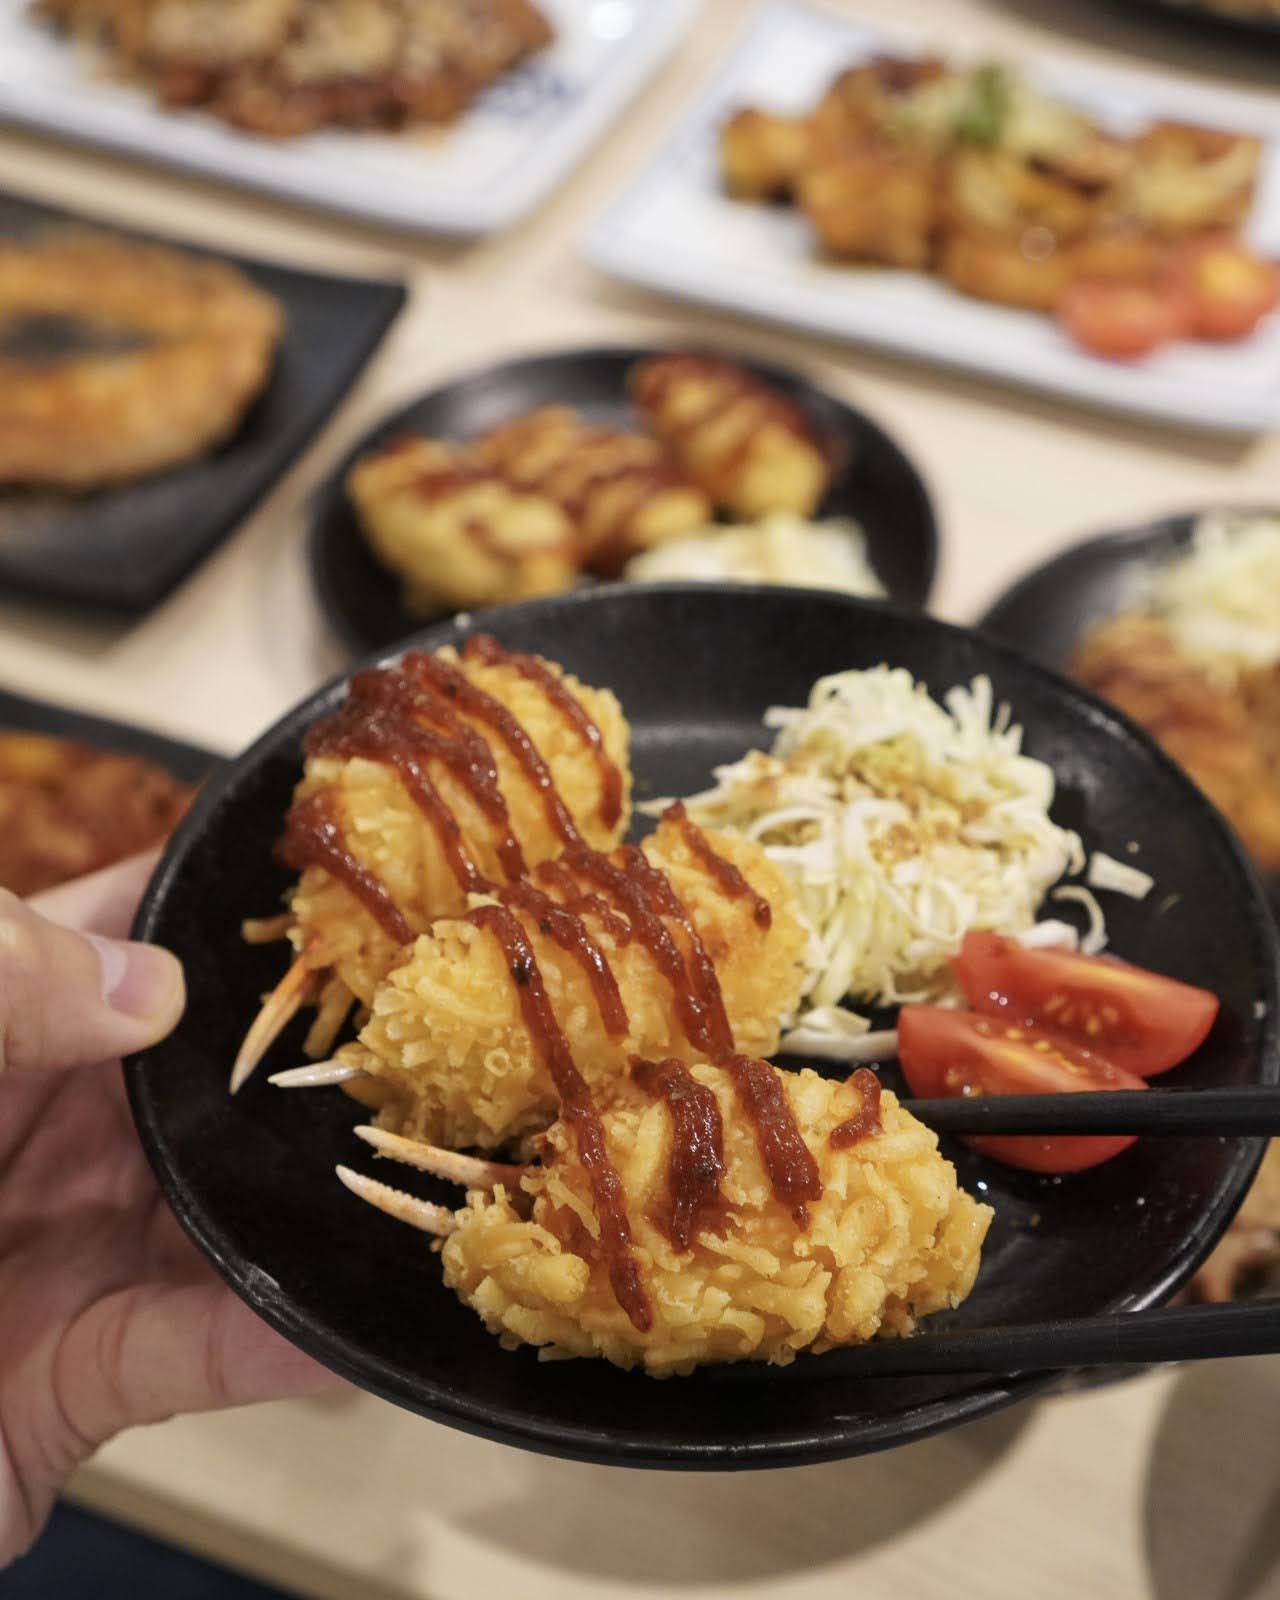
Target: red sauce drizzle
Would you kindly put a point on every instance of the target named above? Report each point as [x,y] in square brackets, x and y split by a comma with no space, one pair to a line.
[577,1108]
[379,720]
[313,837]
[570,933]
[558,878]
[482,647]
[728,879]
[446,680]
[697,1147]
[654,381]
[787,1158]
[865,1122]
[645,897]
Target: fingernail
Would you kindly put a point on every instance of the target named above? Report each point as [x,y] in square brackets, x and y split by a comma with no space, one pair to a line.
[138,980]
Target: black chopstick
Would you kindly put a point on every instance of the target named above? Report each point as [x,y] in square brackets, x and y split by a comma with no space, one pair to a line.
[1243,1111]
[1184,1333]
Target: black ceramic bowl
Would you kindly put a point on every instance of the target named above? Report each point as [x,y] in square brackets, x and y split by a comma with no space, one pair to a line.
[1048,609]
[695,666]
[874,482]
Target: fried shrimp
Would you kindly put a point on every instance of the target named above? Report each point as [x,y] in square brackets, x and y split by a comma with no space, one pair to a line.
[748,447]
[456,531]
[744,1214]
[686,946]
[435,780]
[619,489]
[119,359]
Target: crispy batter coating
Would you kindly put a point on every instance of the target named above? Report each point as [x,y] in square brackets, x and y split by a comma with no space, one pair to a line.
[284,67]
[619,490]
[873,205]
[448,1035]
[891,1239]
[159,354]
[66,809]
[387,833]
[456,531]
[748,447]
[762,155]
[1205,726]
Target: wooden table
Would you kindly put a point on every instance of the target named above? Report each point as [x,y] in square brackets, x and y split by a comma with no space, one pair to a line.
[1166,1487]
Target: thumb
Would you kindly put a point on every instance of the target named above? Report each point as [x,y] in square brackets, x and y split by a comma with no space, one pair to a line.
[68,999]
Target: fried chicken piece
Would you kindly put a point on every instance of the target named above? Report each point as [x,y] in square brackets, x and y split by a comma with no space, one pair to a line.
[66,809]
[119,359]
[762,155]
[873,205]
[749,448]
[729,1266]
[285,67]
[619,490]
[455,530]
[1132,661]
[448,1036]
[1187,179]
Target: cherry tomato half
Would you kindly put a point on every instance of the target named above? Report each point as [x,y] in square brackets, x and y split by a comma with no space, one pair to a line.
[1120,319]
[1139,1020]
[1228,290]
[949,1054]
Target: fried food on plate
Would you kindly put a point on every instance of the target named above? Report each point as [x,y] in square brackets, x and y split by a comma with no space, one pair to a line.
[873,205]
[762,154]
[685,947]
[119,359]
[455,530]
[1133,661]
[748,447]
[67,809]
[437,778]
[726,1213]
[285,67]
[620,490]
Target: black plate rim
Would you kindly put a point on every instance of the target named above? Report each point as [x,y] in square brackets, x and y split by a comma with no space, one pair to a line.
[1120,542]
[573,1442]
[29,714]
[130,598]
[330,496]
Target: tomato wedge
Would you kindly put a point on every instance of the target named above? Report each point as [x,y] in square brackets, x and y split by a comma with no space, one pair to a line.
[1123,320]
[949,1054]
[1227,289]
[1139,1020]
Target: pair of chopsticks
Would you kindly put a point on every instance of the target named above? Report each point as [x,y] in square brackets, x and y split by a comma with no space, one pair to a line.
[1182,1333]
[1225,1112]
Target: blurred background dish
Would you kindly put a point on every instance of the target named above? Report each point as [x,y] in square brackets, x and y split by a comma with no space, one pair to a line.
[696,667]
[472,449]
[511,145]
[1178,623]
[79,792]
[125,544]
[1019,227]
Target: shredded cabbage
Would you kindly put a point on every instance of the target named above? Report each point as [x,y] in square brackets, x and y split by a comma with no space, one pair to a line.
[781,548]
[1223,599]
[900,824]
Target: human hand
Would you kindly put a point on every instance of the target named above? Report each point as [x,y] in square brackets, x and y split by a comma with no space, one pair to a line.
[109,1317]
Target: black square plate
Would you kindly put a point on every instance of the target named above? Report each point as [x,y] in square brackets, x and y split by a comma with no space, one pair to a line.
[124,548]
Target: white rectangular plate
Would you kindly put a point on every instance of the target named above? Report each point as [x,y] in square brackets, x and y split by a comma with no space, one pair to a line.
[674,229]
[499,160]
